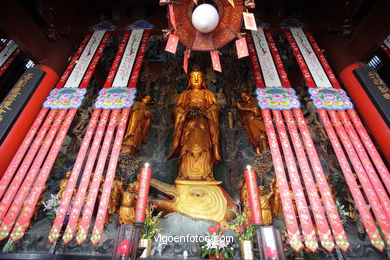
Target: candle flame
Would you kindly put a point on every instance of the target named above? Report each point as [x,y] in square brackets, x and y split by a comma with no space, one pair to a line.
[146,165]
[248,167]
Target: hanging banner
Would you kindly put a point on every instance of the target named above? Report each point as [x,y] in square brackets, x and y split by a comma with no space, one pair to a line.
[185,61]
[353,155]
[267,65]
[281,180]
[83,62]
[316,70]
[315,202]
[37,174]
[126,67]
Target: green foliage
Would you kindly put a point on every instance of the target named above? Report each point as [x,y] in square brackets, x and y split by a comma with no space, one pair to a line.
[242,226]
[149,229]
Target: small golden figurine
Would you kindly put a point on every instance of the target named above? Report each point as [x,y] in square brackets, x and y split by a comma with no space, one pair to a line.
[231,119]
[126,210]
[244,198]
[250,116]
[276,203]
[115,196]
[266,212]
[196,135]
[64,184]
[137,130]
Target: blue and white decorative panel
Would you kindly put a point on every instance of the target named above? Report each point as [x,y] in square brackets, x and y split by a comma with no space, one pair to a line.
[65,98]
[330,98]
[115,98]
[277,98]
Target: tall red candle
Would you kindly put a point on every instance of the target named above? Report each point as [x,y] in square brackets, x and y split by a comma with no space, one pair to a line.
[143,193]
[253,194]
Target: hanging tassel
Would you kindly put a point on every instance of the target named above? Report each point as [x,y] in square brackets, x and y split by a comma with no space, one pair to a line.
[231,2]
[250,4]
[187,54]
[172,16]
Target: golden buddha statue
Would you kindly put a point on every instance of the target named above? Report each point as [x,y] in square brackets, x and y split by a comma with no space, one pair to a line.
[137,130]
[196,135]
[250,117]
[126,210]
[266,212]
[64,184]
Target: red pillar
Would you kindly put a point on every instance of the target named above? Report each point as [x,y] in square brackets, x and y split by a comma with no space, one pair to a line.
[367,109]
[16,135]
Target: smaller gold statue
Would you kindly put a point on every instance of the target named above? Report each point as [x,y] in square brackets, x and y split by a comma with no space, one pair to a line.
[137,130]
[276,203]
[115,196]
[64,184]
[250,116]
[266,212]
[244,198]
[126,210]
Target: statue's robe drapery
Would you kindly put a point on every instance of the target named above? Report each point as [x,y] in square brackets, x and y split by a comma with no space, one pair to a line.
[196,136]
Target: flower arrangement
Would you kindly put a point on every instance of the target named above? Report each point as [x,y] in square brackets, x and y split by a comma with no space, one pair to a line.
[149,229]
[51,206]
[215,244]
[242,226]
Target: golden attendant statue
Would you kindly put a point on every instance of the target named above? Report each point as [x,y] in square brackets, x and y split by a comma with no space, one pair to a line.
[126,210]
[250,117]
[137,130]
[196,135]
[265,206]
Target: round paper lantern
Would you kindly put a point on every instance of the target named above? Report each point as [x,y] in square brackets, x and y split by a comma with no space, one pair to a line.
[205,18]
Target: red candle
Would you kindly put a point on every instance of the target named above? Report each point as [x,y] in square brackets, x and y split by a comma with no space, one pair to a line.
[143,193]
[251,185]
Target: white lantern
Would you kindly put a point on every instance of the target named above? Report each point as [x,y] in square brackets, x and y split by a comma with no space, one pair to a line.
[205,18]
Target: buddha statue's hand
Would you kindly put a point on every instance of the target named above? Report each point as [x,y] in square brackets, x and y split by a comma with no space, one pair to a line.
[217,156]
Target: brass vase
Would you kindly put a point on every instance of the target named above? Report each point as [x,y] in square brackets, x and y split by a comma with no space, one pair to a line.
[246,249]
[147,243]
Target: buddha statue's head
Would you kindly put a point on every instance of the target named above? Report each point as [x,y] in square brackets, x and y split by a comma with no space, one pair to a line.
[245,96]
[262,190]
[196,80]
[147,99]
